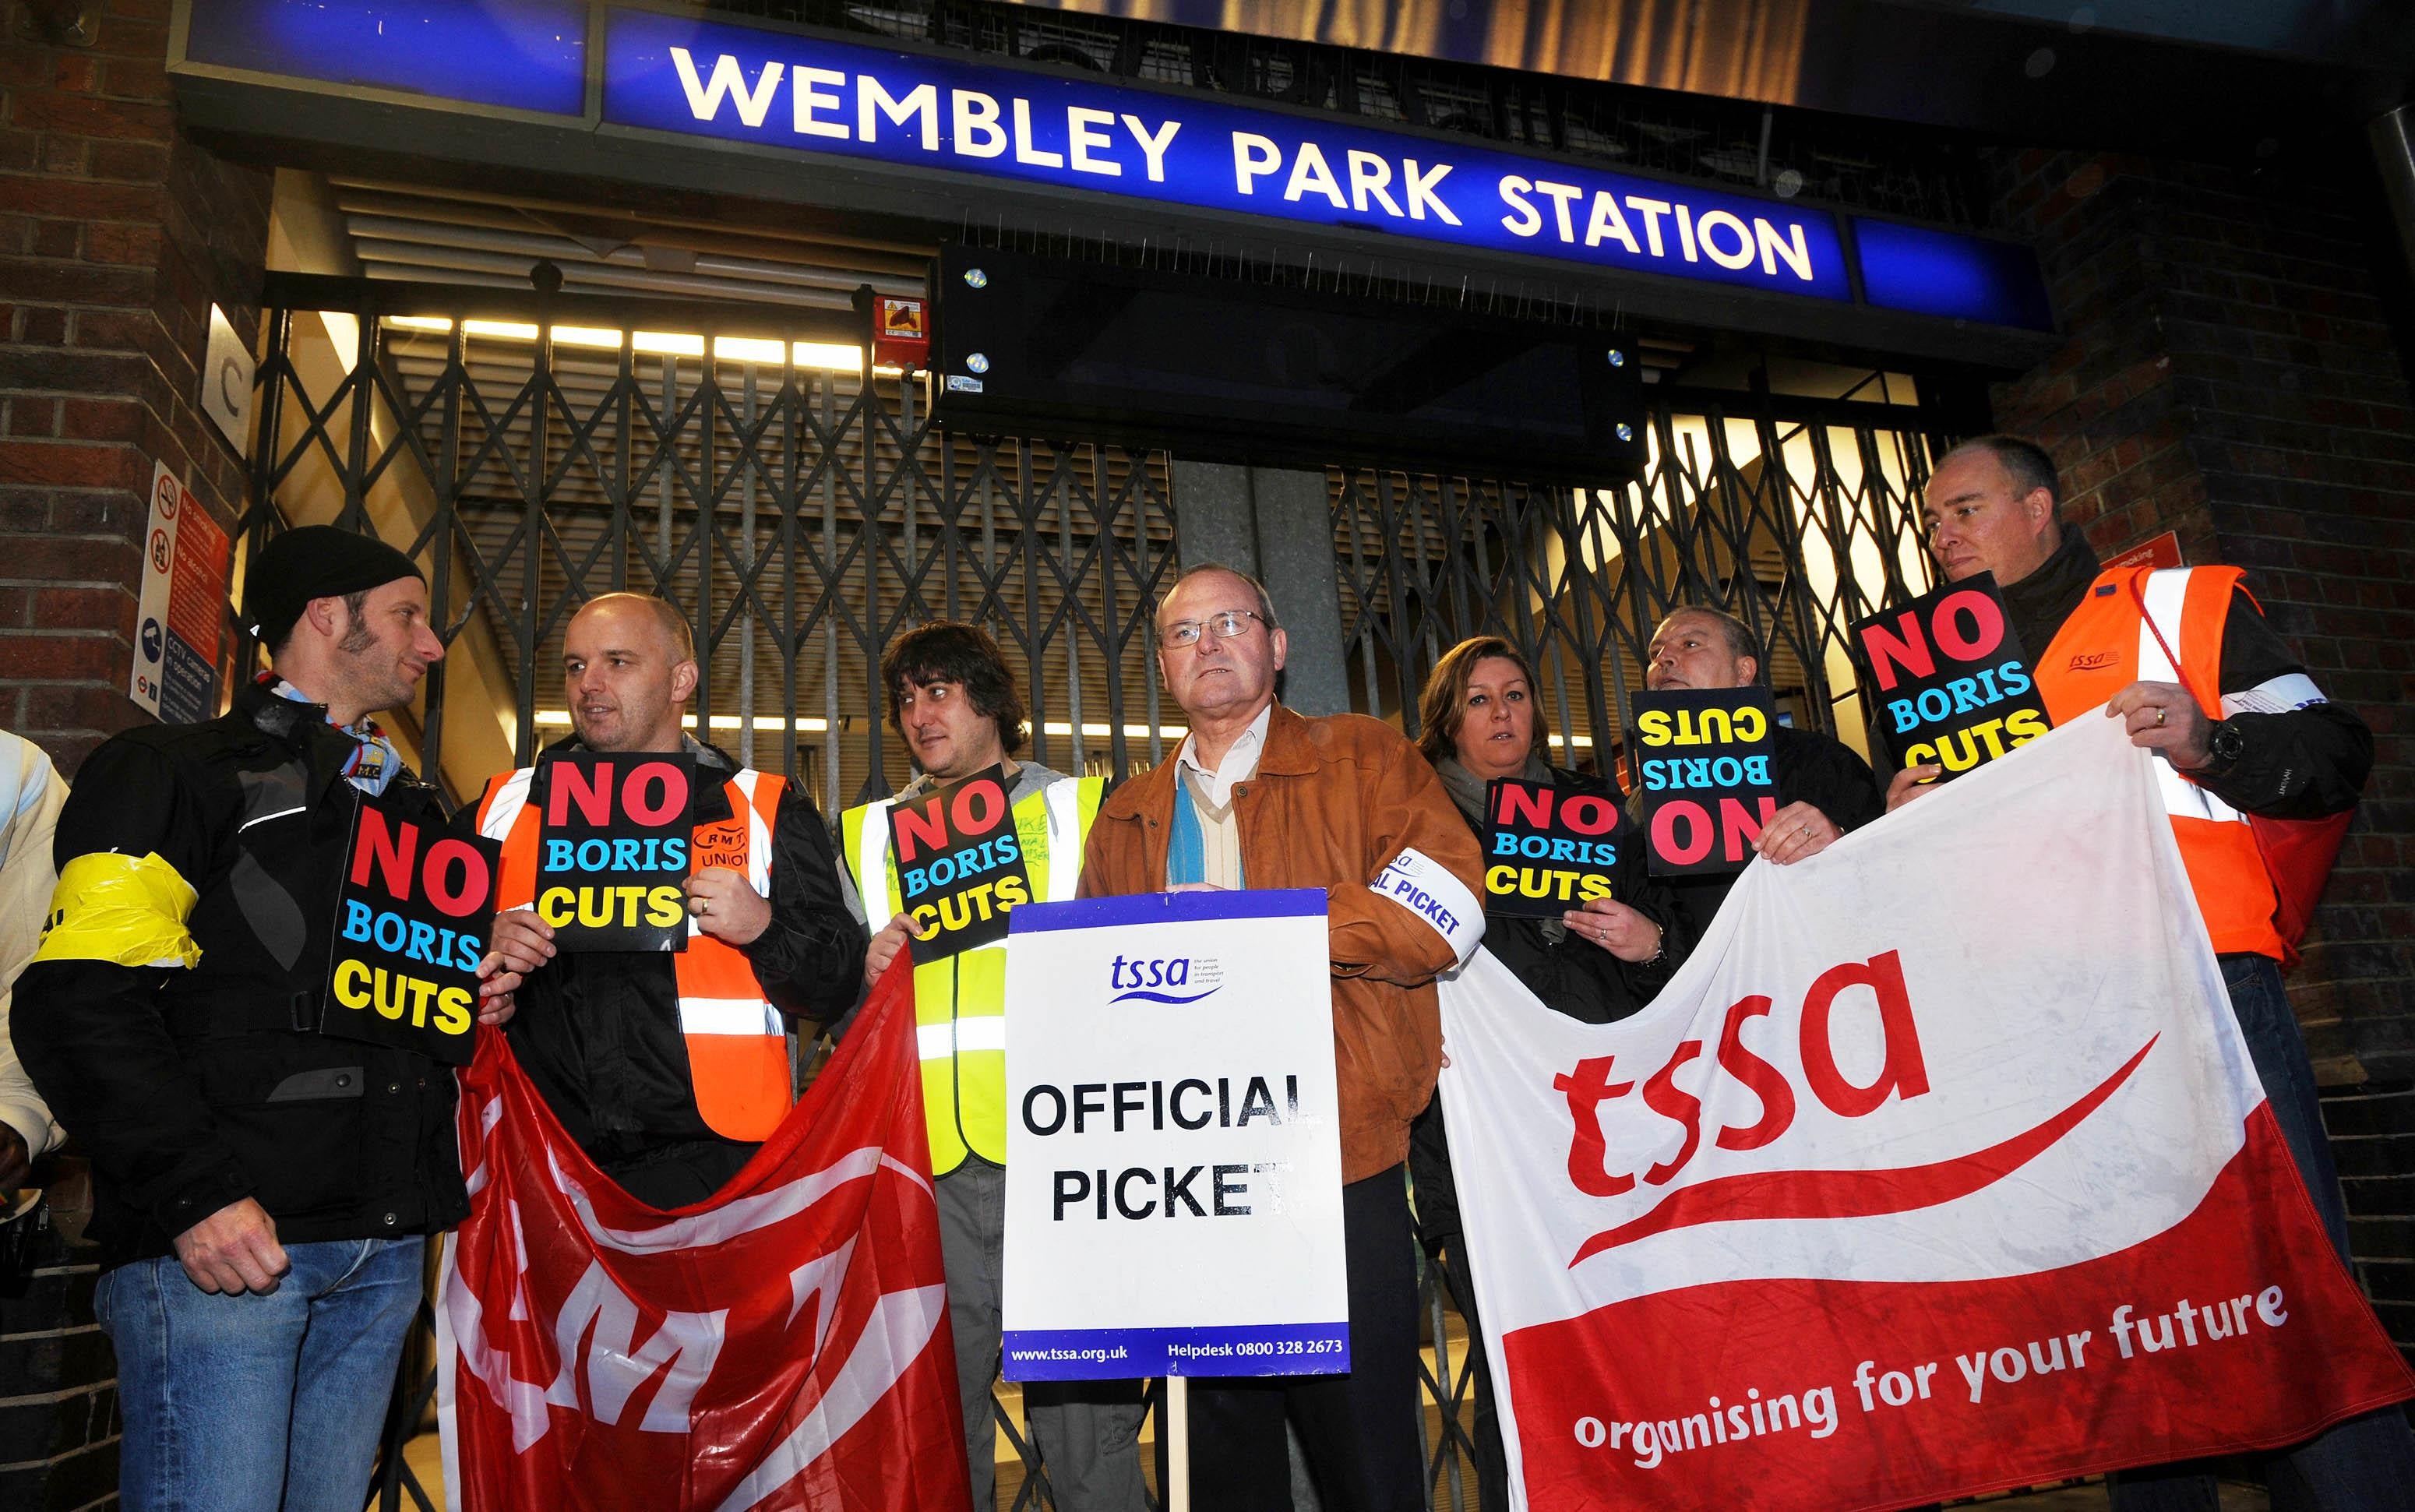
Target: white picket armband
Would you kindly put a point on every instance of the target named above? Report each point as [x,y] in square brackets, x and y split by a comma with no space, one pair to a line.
[1427,889]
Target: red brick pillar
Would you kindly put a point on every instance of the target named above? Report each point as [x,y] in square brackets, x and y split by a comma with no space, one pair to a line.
[2232,375]
[117,235]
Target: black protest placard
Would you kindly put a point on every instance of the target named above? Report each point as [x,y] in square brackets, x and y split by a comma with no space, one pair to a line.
[612,850]
[959,864]
[1703,775]
[1948,679]
[1548,850]
[411,918]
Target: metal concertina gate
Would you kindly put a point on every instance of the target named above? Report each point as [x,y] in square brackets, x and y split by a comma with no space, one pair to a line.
[736,462]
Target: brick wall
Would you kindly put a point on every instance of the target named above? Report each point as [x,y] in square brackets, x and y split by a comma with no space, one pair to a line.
[2232,374]
[117,235]
[115,238]
[58,1420]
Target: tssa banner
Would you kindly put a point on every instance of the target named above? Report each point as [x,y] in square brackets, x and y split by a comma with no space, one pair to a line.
[412,917]
[613,853]
[783,1345]
[1936,1176]
[1174,1155]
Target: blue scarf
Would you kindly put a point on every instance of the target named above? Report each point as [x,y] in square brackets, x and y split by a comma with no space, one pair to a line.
[374,760]
[1186,844]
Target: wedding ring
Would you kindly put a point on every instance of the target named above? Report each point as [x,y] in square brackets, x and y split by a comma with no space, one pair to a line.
[2159,716]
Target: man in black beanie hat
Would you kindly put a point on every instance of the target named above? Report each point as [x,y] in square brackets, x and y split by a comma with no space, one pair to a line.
[261,1190]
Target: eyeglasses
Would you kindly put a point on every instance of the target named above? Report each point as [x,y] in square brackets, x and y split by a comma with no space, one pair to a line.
[1226,623]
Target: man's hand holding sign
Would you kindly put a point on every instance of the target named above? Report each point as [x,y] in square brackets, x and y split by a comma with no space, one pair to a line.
[619,869]
[959,864]
[1710,795]
[1259,799]
[1953,681]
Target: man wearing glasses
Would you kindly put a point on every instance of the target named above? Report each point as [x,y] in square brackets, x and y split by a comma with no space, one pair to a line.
[1260,797]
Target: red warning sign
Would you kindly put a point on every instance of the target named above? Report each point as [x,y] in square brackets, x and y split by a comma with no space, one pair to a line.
[901,333]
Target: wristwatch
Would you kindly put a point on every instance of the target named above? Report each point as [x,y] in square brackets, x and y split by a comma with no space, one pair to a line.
[2223,747]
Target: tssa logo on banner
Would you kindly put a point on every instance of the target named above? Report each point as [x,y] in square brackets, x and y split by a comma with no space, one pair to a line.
[1174,980]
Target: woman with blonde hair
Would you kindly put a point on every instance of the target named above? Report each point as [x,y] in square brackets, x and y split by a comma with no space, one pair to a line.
[1480,720]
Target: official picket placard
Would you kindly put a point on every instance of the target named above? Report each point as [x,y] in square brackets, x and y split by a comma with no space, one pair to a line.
[411,918]
[612,854]
[1174,1155]
[959,864]
[1547,851]
[1704,776]
[1950,679]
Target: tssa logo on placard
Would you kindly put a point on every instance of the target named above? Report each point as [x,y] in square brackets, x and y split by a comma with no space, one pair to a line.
[1174,980]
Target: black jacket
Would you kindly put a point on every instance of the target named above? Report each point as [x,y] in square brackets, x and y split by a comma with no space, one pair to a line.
[1575,975]
[599,1034]
[2297,764]
[1813,769]
[193,1089]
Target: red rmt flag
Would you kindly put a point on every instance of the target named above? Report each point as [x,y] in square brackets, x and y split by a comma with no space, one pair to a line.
[783,1346]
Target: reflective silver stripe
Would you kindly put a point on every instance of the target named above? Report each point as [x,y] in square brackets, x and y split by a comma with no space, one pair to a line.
[872,864]
[941,1041]
[2166,598]
[509,800]
[298,808]
[2283,694]
[759,847]
[2167,595]
[1064,801]
[729,1015]
[758,835]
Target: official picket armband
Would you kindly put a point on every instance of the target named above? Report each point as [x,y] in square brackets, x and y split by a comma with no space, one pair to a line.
[1425,888]
[128,910]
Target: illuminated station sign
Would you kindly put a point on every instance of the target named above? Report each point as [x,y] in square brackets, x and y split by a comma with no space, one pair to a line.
[624,69]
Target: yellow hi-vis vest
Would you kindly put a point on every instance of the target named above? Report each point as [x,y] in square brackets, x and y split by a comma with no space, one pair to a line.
[960,1003]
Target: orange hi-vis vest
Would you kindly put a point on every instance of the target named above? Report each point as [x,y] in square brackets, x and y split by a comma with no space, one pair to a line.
[737,1044]
[2107,645]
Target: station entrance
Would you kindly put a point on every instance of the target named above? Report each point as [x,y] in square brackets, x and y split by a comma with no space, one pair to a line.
[733,457]
[679,410]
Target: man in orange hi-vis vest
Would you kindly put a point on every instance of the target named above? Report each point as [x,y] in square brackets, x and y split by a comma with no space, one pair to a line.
[2185,659]
[669,1068]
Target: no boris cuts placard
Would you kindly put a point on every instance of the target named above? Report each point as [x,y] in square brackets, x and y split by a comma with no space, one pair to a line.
[959,864]
[613,851]
[1704,773]
[1547,851]
[411,919]
[1950,679]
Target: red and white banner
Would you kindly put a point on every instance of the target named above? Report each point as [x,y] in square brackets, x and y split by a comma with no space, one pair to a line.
[782,1346]
[1940,1168]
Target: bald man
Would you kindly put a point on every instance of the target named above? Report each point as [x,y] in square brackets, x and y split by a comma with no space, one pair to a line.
[668,1101]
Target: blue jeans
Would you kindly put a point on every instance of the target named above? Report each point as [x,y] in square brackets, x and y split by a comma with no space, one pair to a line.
[2365,1463]
[257,1403]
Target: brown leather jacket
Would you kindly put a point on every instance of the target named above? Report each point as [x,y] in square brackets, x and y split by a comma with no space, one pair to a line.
[1333,802]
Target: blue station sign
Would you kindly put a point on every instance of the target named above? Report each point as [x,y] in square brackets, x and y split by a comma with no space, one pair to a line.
[817,96]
